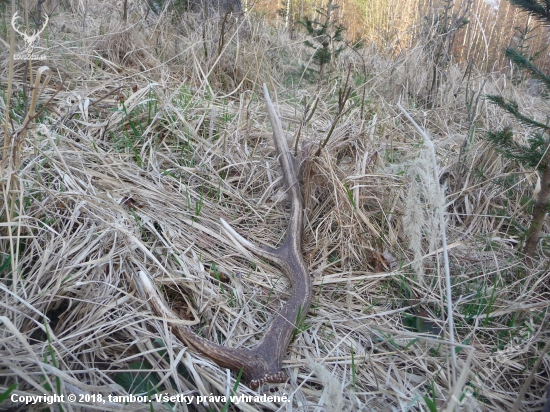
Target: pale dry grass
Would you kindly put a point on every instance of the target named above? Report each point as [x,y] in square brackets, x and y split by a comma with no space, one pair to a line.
[116,189]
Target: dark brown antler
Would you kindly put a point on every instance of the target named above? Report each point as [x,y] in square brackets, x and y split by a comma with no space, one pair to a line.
[263,363]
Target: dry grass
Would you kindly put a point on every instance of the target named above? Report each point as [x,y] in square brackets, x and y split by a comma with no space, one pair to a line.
[159,133]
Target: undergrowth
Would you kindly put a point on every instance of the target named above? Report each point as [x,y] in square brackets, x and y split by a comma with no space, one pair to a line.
[158,132]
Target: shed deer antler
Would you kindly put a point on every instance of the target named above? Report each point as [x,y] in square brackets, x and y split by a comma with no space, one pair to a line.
[261,364]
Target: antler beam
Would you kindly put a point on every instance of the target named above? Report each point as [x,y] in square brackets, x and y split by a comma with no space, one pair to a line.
[261,364]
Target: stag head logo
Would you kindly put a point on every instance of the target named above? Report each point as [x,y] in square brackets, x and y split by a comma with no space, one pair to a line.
[30,40]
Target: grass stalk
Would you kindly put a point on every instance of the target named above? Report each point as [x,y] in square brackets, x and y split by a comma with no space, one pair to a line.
[440,212]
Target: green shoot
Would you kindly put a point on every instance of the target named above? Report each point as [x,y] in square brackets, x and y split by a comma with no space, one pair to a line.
[233,391]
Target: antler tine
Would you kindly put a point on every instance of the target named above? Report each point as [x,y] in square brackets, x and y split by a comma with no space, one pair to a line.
[286,160]
[263,251]
[288,165]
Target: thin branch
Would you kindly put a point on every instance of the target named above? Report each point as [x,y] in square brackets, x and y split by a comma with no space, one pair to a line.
[343,96]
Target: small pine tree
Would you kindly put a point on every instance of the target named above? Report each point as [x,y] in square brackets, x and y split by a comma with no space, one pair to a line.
[536,153]
[522,37]
[324,33]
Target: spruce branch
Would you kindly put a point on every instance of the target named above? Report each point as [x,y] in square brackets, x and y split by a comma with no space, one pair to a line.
[512,107]
[540,10]
[523,63]
[530,155]
[536,153]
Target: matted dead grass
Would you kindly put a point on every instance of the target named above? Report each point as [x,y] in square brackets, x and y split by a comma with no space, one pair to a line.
[135,161]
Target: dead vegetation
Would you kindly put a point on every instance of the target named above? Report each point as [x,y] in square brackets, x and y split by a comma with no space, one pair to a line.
[159,131]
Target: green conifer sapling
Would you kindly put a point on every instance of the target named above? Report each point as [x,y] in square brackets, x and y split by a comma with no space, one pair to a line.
[535,154]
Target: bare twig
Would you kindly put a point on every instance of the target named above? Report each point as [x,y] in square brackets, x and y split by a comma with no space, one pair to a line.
[309,111]
[343,96]
[527,382]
